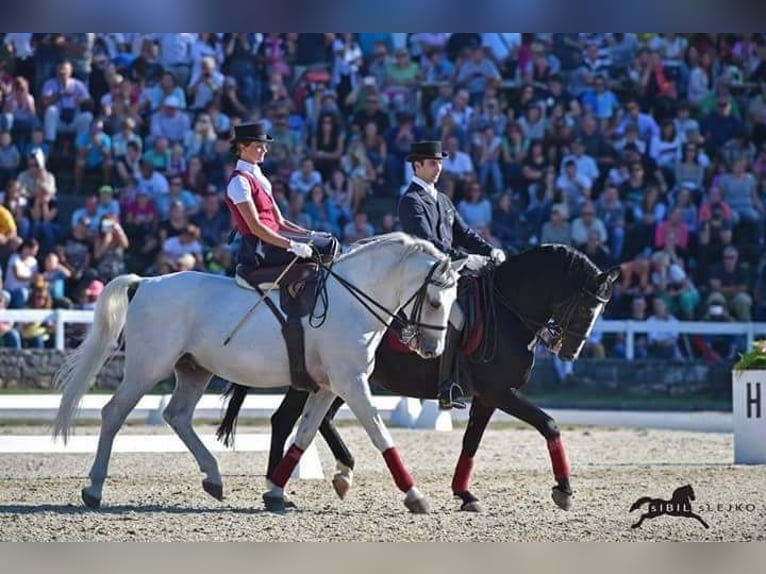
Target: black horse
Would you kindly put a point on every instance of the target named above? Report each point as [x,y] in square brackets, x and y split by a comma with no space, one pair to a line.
[679,505]
[551,294]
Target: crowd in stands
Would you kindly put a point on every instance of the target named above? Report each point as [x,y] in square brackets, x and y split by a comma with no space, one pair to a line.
[644,150]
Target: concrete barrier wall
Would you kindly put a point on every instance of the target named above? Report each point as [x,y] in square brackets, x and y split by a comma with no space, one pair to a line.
[28,369]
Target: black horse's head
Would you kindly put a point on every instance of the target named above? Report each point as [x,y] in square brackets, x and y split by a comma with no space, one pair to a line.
[558,293]
[683,493]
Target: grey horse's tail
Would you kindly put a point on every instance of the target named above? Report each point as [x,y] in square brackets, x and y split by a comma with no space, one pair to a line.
[82,365]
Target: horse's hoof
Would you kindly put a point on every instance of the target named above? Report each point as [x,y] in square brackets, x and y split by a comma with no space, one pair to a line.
[416,502]
[90,500]
[213,489]
[342,484]
[274,503]
[562,498]
[472,506]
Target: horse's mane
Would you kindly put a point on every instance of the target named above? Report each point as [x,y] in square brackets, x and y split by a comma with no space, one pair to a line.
[413,244]
[580,263]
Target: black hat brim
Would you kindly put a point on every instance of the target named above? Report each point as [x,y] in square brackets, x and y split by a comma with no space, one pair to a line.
[264,139]
[420,156]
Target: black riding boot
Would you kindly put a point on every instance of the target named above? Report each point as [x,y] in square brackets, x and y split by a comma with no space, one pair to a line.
[450,393]
[296,356]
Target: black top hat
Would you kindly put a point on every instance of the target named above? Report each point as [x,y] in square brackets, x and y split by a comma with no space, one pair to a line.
[251,132]
[426,150]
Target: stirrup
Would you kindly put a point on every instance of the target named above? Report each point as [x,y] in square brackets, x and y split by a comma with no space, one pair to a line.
[451,397]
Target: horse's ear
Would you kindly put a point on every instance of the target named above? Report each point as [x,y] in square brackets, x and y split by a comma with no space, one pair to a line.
[458,265]
[610,276]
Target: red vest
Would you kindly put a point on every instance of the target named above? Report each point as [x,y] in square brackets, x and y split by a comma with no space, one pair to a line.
[264,205]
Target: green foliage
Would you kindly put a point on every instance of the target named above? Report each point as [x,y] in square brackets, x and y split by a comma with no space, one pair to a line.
[753,360]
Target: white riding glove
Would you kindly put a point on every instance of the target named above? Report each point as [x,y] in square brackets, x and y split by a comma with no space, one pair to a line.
[497,256]
[475,262]
[302,250]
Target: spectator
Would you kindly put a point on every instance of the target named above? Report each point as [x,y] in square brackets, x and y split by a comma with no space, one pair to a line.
[321,211]
[662,344]
[475,209]
[170,121]
[20,112]
[212,221]
[586,223]
[94,154]
[151,181]
[688,170]
[377,152]
[475,72]
[304,179]
[43,217]
[596,251]
[741,193]
[62,96]
[10,158]
[611,211]
[109,249]
[36,175]
[728,285]
[488,150]
[22,267]
[600,100]
[670,282]
[36,334]
[185,243]
[358,229]
[557,229]
[10,338]
[720,125]
[676,223]
[327,145]
[176,194]
[338,189]
[205,85]
[575,187]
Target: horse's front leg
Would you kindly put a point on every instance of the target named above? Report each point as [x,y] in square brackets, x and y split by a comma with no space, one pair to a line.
[513,403]
[477,423]
[316,406]
[282,422]
[355,390]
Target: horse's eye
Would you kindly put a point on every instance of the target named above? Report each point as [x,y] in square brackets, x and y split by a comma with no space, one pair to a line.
[435,304]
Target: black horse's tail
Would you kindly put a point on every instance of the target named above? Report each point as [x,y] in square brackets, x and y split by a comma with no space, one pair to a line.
[228,427]
[640,502]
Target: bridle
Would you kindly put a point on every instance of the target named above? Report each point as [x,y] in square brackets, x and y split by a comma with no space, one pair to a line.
[411,327]
[552,331]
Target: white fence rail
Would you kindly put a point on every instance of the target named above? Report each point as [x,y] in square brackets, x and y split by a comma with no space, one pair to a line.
[630,328]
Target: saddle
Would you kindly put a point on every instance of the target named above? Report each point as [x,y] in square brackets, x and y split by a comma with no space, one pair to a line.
[297,291]
[297,294]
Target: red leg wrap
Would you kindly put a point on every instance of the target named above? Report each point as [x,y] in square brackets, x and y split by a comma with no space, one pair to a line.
[559,459]
[402,478]
[462,475]
[286,466]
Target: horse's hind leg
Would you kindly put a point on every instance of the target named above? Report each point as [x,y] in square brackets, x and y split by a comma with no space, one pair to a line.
[355,390]
[518,406]
[191,381]
[477,423]
[135,384]
[344,460]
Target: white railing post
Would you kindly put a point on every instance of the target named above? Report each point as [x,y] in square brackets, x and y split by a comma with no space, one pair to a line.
[630,340]
[60,329]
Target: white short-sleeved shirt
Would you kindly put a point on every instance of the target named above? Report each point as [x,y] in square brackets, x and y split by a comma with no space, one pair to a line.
[238,189]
